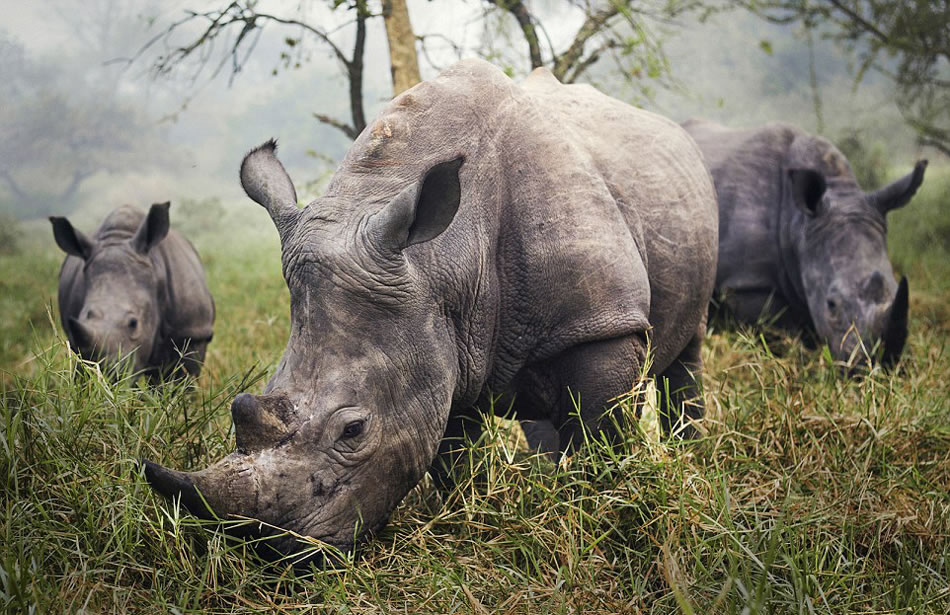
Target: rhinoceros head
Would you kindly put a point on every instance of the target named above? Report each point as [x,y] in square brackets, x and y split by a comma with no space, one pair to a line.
[353,416]
[119,318]
[853,298]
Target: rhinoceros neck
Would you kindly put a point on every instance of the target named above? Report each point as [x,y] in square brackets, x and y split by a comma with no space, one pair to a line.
[791,227]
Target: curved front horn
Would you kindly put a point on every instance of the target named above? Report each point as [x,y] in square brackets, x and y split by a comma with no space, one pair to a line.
[895,333]
[218,491]
[266,181]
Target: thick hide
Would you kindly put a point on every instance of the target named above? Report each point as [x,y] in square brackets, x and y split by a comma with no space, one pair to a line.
[801,245]
[135,291]
[481,239]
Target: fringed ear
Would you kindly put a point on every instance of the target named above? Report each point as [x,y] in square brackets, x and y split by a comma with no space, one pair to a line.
[422,211]
[69,239]
[807,188]
[153,229]
[900,192]
[266,181]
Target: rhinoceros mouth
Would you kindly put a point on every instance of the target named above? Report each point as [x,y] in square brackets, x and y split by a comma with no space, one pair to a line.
[271,543]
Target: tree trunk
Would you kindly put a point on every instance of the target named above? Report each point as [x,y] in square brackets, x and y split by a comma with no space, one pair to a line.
[402,45]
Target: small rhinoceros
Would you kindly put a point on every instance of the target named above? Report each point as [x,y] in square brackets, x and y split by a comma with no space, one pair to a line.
[801,244]
[480,238]
[135,291]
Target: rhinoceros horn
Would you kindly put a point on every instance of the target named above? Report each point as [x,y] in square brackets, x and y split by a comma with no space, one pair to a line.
[215,492]
[82,335]
[260,421]
[895,333]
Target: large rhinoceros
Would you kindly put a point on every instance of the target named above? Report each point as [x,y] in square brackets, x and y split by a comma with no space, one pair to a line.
[136,290]
[480,238]
[801,244]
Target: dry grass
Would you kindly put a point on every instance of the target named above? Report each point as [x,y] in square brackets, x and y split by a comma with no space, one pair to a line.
[808,492]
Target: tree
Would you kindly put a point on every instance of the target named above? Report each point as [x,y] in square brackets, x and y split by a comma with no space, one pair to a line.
[612,27]
[908,40]
[616,28]
[55,133]
[402,45]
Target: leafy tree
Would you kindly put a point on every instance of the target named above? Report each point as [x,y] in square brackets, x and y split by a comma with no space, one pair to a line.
[609,28]
[908,40]
[56,133]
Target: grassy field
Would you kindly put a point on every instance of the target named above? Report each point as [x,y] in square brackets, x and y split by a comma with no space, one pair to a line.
[808,493]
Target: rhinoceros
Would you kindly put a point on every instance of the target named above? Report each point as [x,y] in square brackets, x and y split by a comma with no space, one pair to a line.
[480,240]
[801,244]
[134,292]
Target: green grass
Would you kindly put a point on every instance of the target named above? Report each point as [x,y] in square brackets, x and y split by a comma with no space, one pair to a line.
[808,494]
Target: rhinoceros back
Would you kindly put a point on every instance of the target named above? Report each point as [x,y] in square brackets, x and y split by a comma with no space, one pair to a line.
[659,182]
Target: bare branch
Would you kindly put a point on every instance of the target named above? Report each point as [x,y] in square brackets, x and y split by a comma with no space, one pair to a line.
[592,25]
[344,128]
[520,12]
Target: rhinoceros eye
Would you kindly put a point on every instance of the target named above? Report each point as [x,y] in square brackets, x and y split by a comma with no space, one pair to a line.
[133,323]
[352,429]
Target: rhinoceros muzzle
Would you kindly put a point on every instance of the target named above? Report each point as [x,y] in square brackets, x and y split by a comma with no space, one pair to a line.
[895,332]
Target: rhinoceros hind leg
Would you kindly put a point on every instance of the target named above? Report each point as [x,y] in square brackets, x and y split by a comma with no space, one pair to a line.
[679,391]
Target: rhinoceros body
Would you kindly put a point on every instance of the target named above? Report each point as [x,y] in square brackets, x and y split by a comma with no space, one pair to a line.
[800,243]
[480,239]
[135,289]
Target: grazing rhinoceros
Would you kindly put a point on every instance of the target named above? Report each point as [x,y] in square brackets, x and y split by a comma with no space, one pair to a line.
[801,244]
[480,238]
[135,290]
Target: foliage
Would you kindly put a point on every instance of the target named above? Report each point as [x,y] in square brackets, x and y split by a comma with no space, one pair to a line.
[809,493]
[9,234]
[868,161]
[58,130]
[909,40]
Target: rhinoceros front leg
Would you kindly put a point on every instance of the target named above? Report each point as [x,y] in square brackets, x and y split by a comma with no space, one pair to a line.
[592,376]
[461,426]
[679,389]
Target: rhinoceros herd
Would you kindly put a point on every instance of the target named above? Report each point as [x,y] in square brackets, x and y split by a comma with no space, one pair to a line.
[535,244]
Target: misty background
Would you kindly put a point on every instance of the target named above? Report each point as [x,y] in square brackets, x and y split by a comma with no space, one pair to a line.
[86,125]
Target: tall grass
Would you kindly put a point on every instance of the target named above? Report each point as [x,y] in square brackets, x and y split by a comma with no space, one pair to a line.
[808,493]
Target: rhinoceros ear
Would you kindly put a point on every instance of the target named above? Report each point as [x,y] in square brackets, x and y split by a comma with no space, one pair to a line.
[900,192]
[69,239]
[807,188]
[422,211]
[153,229]
[266,181]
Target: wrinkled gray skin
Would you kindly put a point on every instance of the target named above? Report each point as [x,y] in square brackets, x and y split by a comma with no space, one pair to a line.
[479,237]
[801,244]
[135,291]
